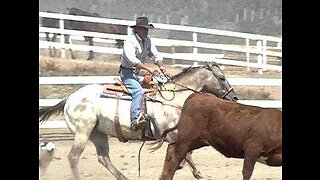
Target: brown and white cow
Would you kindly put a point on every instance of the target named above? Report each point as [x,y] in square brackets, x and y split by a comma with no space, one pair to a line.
[235,130]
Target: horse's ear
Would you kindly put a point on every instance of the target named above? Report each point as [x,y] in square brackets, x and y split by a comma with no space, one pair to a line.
[208,65]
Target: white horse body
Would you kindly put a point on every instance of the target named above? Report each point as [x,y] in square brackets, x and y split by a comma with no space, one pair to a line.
[86,105]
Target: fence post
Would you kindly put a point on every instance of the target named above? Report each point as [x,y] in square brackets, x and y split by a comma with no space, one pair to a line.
[129,30]
[195,39]
[247,53]
[259,57]
[61,26]
[279,44]
[264,54]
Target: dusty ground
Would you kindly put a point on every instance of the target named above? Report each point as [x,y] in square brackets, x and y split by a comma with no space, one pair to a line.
[124,156]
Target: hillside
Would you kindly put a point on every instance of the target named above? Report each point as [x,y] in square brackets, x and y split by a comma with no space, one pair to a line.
[251,16]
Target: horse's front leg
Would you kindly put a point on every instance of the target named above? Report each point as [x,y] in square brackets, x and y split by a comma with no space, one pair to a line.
[196,173]
[101,143]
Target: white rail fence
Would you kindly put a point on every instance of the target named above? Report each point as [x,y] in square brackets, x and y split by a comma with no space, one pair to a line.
[109,79]
[261,49]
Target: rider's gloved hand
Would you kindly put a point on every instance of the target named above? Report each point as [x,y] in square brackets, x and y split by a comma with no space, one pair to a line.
[163,69]
[155,73]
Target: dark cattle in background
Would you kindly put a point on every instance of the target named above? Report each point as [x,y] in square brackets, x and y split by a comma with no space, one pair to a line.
[51,23]
[84,26]
[235,130]
[95,27]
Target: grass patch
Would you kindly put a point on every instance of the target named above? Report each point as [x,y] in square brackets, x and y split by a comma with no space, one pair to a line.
[253,94]
[51,65]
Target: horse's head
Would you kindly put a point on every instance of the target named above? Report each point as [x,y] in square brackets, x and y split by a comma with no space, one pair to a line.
[217,83]
[208,79]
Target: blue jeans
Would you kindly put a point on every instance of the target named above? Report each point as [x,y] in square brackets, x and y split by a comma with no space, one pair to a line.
[131,81]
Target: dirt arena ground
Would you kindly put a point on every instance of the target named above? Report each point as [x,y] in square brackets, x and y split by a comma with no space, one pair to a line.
[124,156]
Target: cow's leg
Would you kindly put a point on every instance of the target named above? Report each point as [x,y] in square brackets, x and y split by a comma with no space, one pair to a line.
[53,39]
[48,39]
[101,143]
[252,151]
[91,53]
[67,40]
[188,158]
[175,154]
[275,160]
[119,43]
[80,140]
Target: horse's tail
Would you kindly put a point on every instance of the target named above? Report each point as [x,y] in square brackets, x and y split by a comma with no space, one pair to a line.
[162,138]
[46,112]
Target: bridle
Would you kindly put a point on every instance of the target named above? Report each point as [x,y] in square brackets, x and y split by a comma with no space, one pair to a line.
[229,90]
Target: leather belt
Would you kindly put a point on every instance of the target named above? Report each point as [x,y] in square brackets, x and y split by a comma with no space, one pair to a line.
[122,67]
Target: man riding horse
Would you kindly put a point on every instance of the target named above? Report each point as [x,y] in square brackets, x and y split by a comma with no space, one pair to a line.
[136,49]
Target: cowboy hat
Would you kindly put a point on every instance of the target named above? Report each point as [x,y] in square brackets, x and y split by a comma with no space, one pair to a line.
[143,22]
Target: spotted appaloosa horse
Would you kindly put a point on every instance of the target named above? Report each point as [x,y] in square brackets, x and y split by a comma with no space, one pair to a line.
[91,117]
[235,130]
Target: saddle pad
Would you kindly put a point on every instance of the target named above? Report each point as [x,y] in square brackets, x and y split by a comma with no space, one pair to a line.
[124,96]
[117,88]
[112,94]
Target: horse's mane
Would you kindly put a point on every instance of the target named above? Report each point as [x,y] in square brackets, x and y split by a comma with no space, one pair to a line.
[184,71]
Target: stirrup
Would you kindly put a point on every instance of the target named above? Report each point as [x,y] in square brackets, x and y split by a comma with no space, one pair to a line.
[141,118]
[139,123]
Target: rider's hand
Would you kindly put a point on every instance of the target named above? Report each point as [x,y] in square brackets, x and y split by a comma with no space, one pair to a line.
[155,73]
[163,69]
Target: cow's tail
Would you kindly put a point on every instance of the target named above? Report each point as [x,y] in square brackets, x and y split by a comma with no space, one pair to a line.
[162,138]
[46,112]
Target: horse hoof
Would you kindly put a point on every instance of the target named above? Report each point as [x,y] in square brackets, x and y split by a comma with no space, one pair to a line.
[198,175]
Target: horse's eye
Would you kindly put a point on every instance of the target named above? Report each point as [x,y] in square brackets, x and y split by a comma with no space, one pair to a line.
[222,78]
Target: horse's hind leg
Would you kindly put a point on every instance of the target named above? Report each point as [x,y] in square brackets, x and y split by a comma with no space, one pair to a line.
[101,143]
[80,140]
[196,173]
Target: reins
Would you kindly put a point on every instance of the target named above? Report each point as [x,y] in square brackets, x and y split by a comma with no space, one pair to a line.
[174,90]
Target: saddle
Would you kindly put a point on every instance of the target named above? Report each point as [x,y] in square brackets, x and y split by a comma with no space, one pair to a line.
[119,91]
[118,87]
